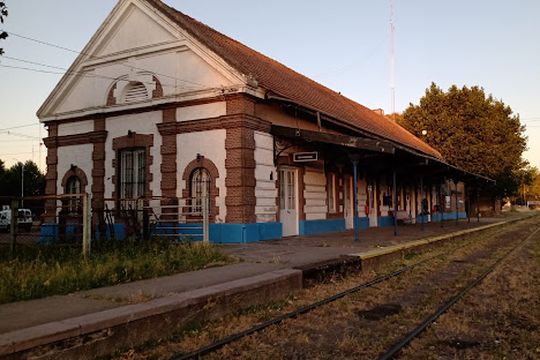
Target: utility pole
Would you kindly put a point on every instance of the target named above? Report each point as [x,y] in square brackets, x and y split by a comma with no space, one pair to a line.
[22,185]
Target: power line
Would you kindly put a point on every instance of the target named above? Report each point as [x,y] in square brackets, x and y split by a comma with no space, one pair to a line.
[12,133]
[19,140]
[33,63]
[77,73]
[20,126]
[60,47]
[15,154]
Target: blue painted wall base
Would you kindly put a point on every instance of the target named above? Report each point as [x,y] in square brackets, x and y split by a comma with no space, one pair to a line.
[446,216]
[313,227]
[362,222]
[119,232]
[245,233]
[386,221]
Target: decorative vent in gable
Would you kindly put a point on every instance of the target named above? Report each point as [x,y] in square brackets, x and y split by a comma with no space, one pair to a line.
[135,92]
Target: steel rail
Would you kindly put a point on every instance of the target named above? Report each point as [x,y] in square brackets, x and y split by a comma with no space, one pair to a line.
[295,313]
[397,347]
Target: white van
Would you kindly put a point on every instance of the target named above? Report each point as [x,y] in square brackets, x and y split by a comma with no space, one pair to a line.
[24,219]
[5,219]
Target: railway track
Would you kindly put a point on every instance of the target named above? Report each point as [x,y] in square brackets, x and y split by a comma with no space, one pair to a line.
[393,350]
[295,313]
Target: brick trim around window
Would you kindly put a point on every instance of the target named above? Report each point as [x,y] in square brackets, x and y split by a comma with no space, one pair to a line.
[79,174]
[131,141]
[212,169]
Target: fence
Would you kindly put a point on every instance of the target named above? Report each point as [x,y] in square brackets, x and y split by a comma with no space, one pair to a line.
[69,220]
[64,220]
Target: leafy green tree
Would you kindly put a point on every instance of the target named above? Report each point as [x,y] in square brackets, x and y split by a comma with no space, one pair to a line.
[475,132]
[3,15]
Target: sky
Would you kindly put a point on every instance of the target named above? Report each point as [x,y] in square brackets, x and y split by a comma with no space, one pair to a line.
[343,44]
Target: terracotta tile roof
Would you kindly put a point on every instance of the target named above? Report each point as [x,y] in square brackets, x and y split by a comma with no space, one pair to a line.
[285,82]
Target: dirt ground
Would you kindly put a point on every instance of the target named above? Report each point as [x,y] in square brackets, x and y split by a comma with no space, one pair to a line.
[498,319]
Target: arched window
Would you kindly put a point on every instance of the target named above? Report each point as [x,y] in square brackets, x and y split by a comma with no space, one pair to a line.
[199,188]
[73,186]
[134,92]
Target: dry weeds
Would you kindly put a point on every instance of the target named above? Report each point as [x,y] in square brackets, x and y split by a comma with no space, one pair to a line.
[341,329]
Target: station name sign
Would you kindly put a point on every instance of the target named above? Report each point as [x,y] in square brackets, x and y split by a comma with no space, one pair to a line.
[306,156]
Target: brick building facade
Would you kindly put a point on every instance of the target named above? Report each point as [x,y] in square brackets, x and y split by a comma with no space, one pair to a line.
[157,100]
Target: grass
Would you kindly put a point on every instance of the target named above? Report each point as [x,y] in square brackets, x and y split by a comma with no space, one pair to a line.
[336,330]
[42,271]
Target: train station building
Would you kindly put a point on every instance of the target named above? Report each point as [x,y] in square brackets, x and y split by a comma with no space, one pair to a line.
[161,106]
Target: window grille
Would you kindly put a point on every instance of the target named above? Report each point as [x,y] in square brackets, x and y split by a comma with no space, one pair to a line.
[200,189]
[132,173]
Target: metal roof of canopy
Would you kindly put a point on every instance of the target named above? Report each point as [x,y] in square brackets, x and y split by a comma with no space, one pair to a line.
[353,144]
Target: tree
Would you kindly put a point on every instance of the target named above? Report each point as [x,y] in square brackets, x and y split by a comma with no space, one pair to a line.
[3,15]
[472,131]
[10,180]
[533,190]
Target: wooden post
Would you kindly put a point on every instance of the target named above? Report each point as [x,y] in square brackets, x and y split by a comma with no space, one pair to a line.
[87,221]
[13,225]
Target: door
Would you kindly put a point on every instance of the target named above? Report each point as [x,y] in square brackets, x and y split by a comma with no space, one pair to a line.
[348,202]
[372,198]
[288,201]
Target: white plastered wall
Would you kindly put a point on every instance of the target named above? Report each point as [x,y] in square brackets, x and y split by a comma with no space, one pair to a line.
[265,176]
[144,123]
[205,111]
[315,194]
[79,127]
[78,155]
[211,145]
[139,42]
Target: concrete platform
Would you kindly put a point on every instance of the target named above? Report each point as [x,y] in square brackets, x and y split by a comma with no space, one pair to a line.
[92,323]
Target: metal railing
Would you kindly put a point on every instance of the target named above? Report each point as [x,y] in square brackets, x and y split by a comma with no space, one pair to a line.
[69,220]
[157,216]
[180,218]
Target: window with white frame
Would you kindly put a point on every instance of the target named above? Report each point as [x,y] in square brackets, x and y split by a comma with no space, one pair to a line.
[132,173]
[199,189]
[331,193]
[73,186]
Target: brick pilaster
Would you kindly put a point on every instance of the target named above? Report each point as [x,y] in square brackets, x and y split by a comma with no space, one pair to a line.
[98,174]
[169,181]
[240,163]
[240,180]
[51,178]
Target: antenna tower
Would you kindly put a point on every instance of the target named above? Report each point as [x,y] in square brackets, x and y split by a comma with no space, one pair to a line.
[392,62]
